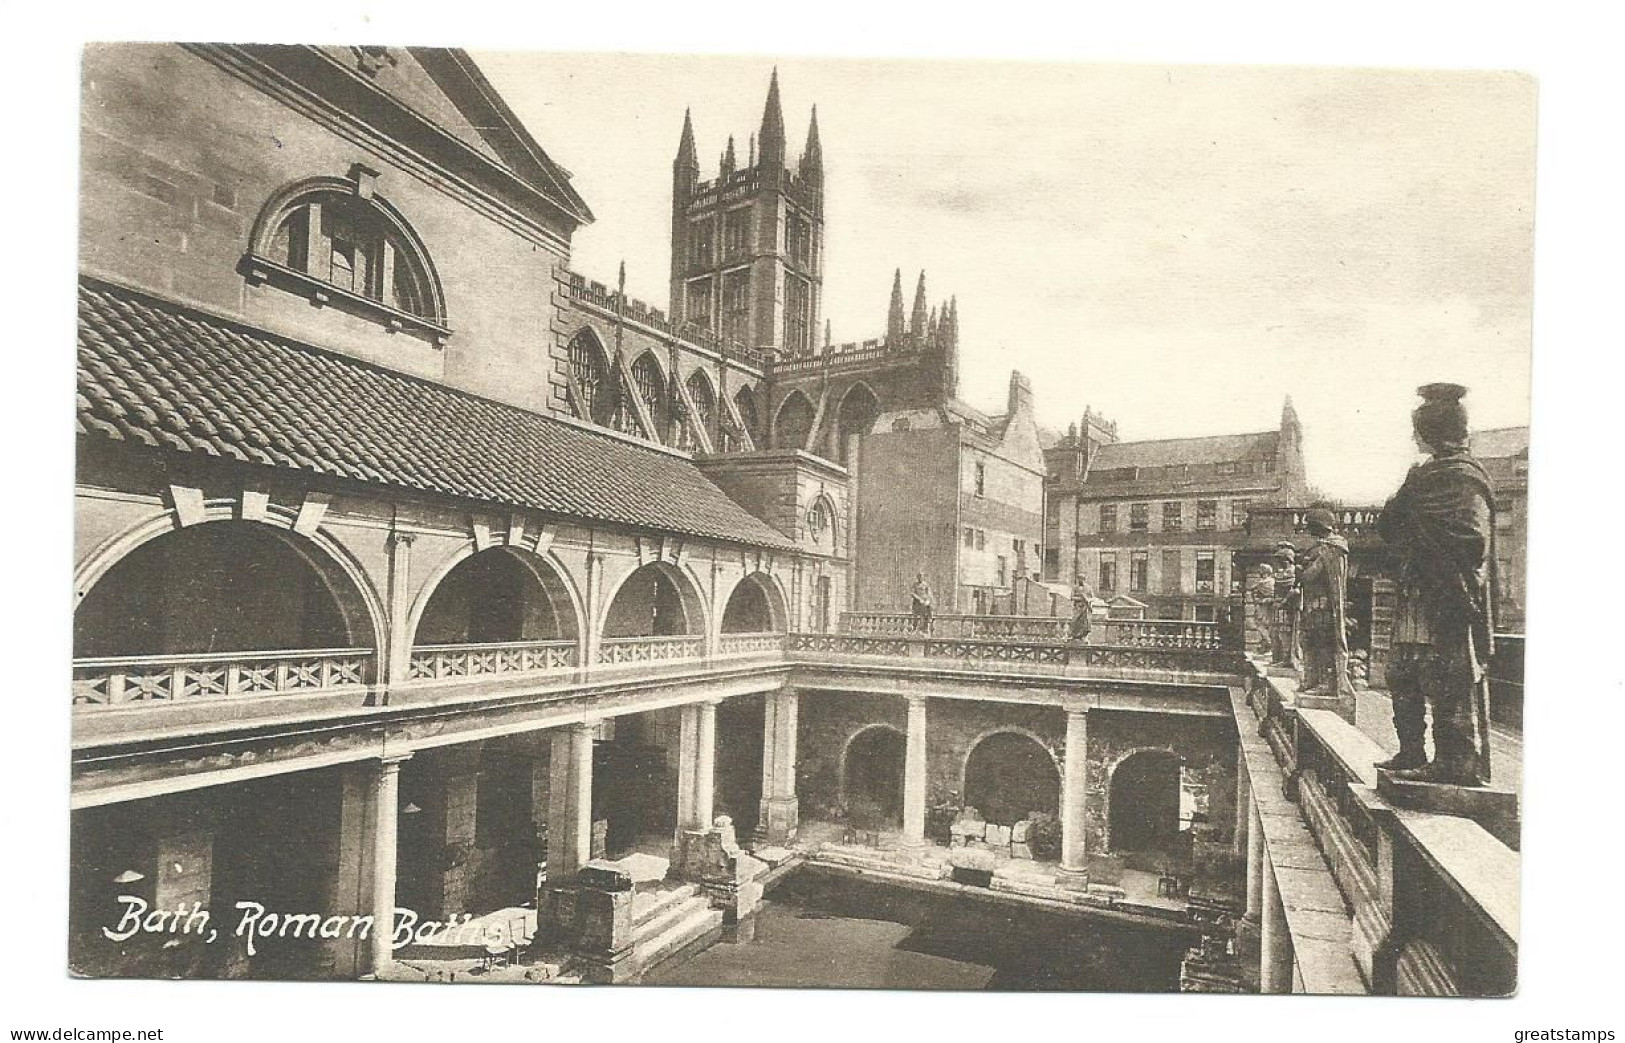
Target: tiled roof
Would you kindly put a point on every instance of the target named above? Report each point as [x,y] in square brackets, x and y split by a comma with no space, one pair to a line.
[155,373]
[1211,450]
[1500,441]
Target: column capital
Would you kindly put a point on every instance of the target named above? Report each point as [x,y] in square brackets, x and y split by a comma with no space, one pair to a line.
[402,538]
[915,702]
[1077,713]
[393,761]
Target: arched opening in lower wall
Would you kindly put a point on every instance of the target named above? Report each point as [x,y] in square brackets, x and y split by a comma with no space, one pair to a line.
[1009,775]
[1145,803]
[872,777]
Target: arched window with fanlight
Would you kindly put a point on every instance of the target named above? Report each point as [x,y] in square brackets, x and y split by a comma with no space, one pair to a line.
[651,389]
[698,386]
[589,379]
[338,242]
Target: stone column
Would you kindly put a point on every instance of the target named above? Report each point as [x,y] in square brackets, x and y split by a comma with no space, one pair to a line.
[1275,948]
[780,812]
[688,749]
[1244,800]
[914,776]
[705,766]
[569,803]
[1075,800]
[385,820]
[398,653]
[1255,863]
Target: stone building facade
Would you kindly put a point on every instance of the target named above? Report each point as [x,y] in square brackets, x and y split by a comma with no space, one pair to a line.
[1161,521]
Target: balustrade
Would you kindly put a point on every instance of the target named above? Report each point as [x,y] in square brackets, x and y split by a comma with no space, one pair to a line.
[1125,633]
[751,644]
[123,680]
[1162,633]
[479,660]
[618,650]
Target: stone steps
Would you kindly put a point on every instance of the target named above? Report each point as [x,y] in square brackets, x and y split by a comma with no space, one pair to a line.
[669,913]
[661,903]
[674,930]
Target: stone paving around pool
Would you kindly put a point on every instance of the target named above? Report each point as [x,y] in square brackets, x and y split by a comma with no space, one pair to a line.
[883,852]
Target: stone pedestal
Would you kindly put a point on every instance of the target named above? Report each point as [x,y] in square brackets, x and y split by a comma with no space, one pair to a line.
[780,819]
[728,876]
[1494,808]
[602,923]
[780,811]
[1249,944]
[1341,703]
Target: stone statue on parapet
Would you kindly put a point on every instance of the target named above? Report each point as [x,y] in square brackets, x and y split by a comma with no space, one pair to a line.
[1324,583]
[1441,526]
[920,602]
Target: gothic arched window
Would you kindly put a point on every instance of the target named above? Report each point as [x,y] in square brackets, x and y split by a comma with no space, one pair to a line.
[651,386]
[704,399]
[745,402]
[589,375]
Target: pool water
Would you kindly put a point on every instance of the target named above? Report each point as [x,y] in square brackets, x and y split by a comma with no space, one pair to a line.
[823,929]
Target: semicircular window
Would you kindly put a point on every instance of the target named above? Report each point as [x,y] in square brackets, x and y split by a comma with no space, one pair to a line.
[326,237]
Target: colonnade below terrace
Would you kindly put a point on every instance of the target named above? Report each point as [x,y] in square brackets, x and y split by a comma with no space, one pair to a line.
[571,786]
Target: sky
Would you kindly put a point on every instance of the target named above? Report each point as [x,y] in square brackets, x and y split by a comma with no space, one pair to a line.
[1178,247]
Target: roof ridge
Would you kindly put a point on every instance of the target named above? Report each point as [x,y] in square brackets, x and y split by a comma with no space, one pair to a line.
[1197,438]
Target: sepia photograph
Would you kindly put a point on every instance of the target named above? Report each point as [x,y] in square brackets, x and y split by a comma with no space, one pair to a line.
[587,518]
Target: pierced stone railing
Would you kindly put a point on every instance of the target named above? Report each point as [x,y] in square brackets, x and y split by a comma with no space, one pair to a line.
[618,650]
[1162,633]
[766,642]
[982,651]
[123,680]
[957,626]
[436,662]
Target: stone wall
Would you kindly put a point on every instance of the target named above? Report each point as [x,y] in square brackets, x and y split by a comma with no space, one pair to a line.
[829,720]
[172,184]
[1206,747]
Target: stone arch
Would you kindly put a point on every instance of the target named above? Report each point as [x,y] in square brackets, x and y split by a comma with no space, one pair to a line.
[667,596]
[544,574]
[1009,771]
[359,610]
[1143,789]
[793,421]
[870,771]
[757,598]
[858,411]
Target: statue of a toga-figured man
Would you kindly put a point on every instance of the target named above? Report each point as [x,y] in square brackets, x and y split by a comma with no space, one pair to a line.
[1441,525]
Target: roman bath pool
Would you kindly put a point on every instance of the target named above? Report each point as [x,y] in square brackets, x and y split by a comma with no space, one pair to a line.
[823,928]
